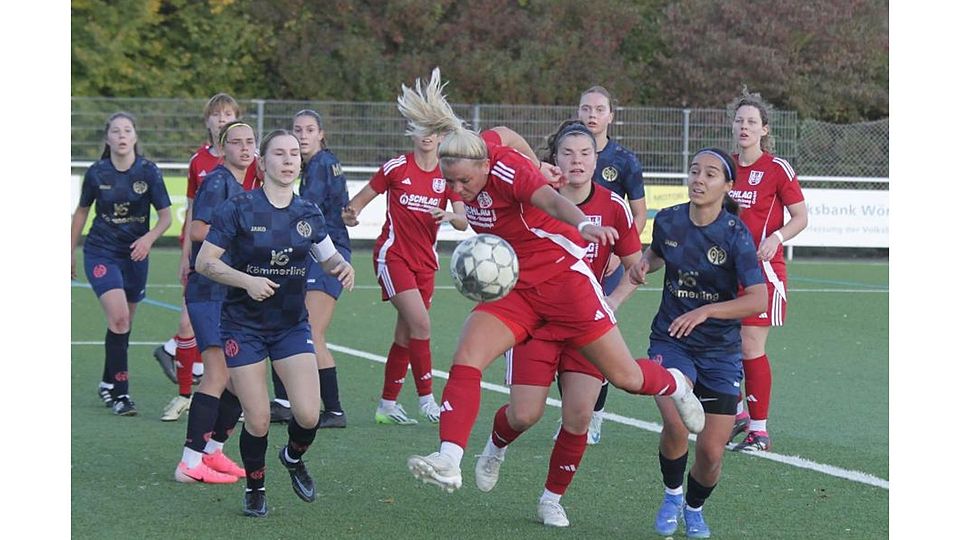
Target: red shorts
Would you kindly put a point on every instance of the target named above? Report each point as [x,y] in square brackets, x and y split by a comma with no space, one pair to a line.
[776,313]
[535,362]
[569,307]
[395,277]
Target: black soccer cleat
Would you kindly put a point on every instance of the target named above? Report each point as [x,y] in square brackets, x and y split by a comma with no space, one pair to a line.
[279,414]
[255,503]
[105,396]
[124,407]
[331,419]
[303,484]
[166,363]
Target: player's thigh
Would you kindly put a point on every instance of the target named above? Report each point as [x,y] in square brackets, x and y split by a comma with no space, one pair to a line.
[613,358]
[300,378]
[320,307]
[250,386]
[483,338]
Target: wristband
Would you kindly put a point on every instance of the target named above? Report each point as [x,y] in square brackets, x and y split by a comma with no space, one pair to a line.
[582,224]
[778,235]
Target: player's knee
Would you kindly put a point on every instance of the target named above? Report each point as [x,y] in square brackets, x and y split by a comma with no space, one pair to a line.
[119,324]
[256,423]
[306,414]
[523,418]
[577,422]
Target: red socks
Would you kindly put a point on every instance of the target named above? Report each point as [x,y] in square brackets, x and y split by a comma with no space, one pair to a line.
[502,433]
[396,370]
[422,364]
[187,354]
[657,381]
[759,380]
[567,452]
[460,404]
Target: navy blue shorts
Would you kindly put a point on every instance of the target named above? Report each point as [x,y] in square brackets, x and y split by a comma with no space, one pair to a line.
[319,280]
[610,282]
[718,371]
[107,273]
[243,347]
[205,319]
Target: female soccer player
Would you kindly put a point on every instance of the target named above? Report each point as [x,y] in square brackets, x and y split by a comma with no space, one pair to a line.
[180,357]
[405,262]
[269,233]
[620,171]
[765,185]
[505,195]
[707,253]
[214,409]
[115,254]
[322,182]
[532,365]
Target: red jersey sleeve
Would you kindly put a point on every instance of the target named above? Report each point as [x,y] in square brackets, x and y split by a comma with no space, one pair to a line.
[380,182]
[629,241]
[193,174]
[513,168]
[788,191]
[491,137]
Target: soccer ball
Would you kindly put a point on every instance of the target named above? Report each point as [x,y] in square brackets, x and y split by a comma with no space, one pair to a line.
[484,268]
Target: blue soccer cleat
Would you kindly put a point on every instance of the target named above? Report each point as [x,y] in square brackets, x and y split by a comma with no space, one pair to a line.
[696,525]
[669,513]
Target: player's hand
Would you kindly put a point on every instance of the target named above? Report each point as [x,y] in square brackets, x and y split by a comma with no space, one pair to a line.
[612,265]
[553,174]
[600,235]
[683,325]
[768,248]
[260,288]
[349,216]
[345,273]
[441,216]
[140,248]
[638,272]
[184,271]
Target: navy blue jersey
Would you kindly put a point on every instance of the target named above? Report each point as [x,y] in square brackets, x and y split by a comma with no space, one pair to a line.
[218,186]
[122,212]
[620,171]
[703,265]
[323,183]
[269,242]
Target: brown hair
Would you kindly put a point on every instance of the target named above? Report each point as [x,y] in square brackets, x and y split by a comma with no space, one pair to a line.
[747,99]
[219,102]
[316,116]
[106,130]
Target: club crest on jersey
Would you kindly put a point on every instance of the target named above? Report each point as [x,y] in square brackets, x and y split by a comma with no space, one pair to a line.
[484,200]
[716,255]
[439,184]
[231,348]
[755,177]
[139,187]
[610,174]
[304,229]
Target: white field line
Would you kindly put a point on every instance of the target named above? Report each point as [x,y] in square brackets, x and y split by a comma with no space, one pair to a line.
[795,461]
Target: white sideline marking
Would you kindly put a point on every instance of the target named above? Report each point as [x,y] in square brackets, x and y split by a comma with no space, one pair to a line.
[795,461]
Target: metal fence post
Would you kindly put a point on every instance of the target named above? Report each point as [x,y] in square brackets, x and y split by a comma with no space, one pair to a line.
[259,103]
[686,141]
[476,117]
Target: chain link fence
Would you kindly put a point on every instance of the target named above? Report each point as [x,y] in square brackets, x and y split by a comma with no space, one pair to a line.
[368,134]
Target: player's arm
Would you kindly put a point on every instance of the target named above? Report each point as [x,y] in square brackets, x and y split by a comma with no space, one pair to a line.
[140,248]
[650,262]
[198,230]
[511,138]
[753,301]
[210,264]
[76,229]
[559,207]
[333,262]
[626,287]
[457,218]
[794,226]
[638,207]
[351,212]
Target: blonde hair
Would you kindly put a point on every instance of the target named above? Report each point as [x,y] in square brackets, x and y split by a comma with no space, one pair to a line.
[427,112]
[746,99]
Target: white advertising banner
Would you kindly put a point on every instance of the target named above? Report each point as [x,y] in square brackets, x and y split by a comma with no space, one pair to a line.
[845,218]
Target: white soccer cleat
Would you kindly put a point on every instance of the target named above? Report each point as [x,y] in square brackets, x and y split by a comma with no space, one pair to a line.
[488,471]
[689,407]
[593,432]
[436,469]
[552,514]
[430,411]
[177,406]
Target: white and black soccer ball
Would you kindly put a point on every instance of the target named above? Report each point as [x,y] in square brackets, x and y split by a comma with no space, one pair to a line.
[484,268]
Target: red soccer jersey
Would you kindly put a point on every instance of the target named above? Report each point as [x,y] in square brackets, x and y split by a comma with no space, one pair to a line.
[762,190]
[544,245]
[410,232]
[202,162]
[605,208]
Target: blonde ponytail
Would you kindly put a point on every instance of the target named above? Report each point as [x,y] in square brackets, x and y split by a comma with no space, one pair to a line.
[427,112]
